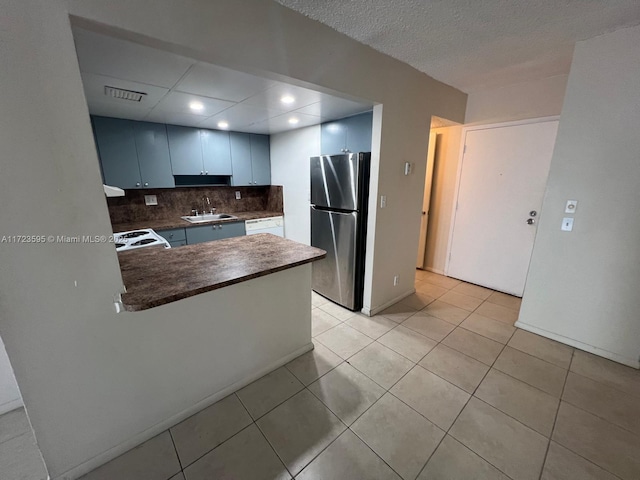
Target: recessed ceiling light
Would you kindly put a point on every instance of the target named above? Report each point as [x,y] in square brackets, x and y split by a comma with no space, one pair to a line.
[196,106]
[293,120]
[287,99]
[223,124]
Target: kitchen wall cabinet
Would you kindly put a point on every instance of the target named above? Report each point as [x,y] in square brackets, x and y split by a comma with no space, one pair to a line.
[199,151]
[350,134]
[250,159]
[153,155]
[208,233]
[216,152]
[147,155]
[186,150]
[133,154]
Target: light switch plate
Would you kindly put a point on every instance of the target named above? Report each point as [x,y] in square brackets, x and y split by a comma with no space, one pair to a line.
[383,201]
[150,200]
[571,206]
[238,196]
[567,224]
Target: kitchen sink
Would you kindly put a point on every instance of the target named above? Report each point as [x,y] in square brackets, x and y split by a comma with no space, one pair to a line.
[208,217]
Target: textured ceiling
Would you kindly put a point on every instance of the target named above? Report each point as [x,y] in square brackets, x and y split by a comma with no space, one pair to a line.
[475,44]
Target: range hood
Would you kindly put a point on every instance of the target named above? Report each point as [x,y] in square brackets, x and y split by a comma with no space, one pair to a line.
[110,191]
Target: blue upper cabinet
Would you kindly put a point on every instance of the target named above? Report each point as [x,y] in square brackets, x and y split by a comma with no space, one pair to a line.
[216,152]
[250,158]
[359,129]
[241,159]
[149,155]
[186,150]
[153,155]
[350,134]
[199,152]
[260,159]
[116,143]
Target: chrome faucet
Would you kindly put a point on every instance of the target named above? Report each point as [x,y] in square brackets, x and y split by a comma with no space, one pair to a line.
[205,202]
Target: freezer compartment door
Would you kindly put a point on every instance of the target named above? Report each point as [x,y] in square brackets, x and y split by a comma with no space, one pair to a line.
[334,181]
[335,275]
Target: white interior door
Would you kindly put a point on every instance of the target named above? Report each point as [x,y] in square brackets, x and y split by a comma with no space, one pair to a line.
[503,177]
[428,182]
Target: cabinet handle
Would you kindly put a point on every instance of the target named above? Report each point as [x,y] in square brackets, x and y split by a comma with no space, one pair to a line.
[201,173]
[171,235]
[137,184]
[206,173]
[146,184]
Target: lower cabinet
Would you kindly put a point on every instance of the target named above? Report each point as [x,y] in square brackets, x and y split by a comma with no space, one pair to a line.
[208,233]
[173,235]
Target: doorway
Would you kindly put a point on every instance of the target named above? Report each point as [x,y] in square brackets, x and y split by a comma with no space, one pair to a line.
[480,228]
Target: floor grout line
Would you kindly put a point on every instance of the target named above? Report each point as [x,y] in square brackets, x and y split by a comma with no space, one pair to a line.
[176,450]
[555,418]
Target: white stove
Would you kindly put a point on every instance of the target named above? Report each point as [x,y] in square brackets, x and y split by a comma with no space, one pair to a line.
[134,239]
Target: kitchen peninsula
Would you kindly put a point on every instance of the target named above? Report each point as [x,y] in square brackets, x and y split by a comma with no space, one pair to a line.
[196,269]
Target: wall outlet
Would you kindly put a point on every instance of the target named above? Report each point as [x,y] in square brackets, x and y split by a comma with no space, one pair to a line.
[383,201]
[150,200]
[238,196]
[395,280]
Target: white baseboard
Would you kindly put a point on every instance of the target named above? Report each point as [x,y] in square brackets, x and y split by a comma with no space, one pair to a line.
[373,311]
[157,429]
[631,362]
[434,270]
[12,405]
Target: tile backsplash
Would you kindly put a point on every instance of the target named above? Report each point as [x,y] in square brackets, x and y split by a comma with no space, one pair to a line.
[176,202]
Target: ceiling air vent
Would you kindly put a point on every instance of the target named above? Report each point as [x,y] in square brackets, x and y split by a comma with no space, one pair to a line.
[123,94]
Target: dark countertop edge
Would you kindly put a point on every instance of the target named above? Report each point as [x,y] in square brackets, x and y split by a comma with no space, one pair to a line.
[210,288]
[180,223]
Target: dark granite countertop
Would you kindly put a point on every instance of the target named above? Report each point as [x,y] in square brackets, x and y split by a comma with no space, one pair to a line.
[177,222]
[156,276]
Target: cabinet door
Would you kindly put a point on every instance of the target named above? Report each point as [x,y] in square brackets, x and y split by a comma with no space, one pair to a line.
[204,233]
[333,138]
[185,149]
[117,149]
[216,152]
[241,159]
[153,155]
[231,229]
[173,234]
[359,132]
[260,159]
[178,243]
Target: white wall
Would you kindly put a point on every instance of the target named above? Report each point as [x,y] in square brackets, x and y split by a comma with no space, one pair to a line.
[9,392]
[290,153]
[538,98]
[91,379]
[535,99]
[582,285]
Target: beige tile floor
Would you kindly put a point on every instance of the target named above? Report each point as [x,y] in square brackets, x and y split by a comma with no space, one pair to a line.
[439,386]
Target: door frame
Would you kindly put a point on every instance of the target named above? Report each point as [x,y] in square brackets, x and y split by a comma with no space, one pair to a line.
[428,186]
[463,141]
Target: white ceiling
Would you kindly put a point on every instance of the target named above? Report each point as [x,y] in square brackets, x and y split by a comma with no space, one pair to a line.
[171,82]
[472,44]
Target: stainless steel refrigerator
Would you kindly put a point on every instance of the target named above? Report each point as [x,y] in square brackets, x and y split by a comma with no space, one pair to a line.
[339,195]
